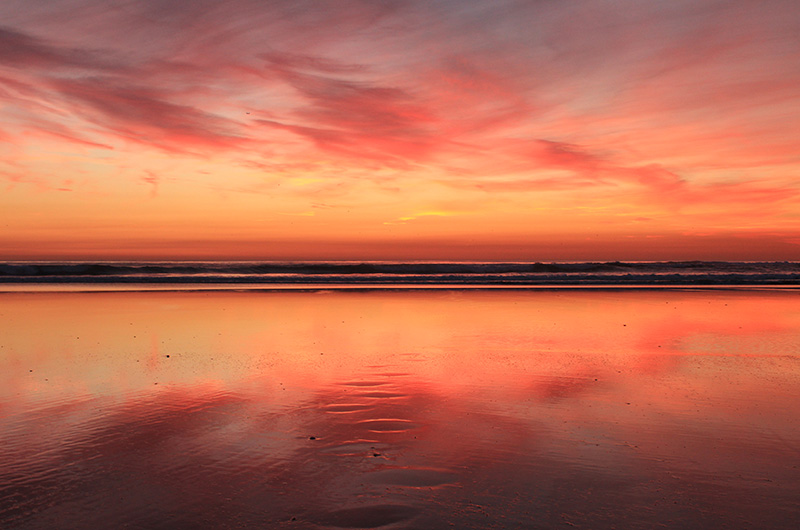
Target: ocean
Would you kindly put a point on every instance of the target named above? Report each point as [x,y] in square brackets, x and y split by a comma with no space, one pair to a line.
[367,273]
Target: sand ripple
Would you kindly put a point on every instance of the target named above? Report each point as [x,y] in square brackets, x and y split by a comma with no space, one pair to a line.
[368,516]
[412,477]
[388,425]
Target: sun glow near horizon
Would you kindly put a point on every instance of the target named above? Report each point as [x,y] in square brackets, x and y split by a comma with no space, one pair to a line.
[400,130]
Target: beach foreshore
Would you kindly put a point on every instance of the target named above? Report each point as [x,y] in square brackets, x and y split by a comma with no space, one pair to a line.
[365,408]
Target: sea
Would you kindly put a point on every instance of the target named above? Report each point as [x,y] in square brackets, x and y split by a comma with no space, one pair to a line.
[414,273]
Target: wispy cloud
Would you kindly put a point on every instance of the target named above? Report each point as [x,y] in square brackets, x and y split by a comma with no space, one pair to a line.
[426,213]
[347,113]
[20,50]
[145,115]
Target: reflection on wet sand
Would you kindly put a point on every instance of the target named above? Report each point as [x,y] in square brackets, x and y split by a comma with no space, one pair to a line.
[593,409]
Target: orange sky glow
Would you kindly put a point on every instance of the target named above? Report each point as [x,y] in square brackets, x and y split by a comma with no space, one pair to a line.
[400,129]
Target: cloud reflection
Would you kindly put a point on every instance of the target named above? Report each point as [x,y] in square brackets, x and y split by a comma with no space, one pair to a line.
[366,409]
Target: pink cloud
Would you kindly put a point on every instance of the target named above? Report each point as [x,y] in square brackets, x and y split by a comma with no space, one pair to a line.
[145,115]
[20,50]
[344,113]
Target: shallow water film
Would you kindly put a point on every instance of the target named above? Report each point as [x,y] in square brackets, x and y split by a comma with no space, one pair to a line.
[400,409]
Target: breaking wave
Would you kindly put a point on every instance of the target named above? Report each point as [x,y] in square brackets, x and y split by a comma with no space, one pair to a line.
[410,273]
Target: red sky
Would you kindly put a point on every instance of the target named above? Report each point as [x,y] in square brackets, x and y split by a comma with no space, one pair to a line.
[400,129]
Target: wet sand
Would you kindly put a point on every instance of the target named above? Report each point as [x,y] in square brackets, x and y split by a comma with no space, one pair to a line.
[400,409]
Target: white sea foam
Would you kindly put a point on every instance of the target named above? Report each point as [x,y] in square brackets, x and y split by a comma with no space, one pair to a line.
[408,273]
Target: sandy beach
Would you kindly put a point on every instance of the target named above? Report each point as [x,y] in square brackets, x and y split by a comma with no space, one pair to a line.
[400,409]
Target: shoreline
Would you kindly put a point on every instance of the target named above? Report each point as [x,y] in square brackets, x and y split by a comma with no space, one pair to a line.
[101,287]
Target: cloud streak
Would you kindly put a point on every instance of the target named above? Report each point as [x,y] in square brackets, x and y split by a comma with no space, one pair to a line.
[20,50]
[145,115]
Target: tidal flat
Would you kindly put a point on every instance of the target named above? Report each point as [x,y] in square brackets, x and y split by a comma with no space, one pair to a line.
[650,408]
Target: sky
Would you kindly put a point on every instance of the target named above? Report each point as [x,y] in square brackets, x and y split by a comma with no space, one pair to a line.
[400,129]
